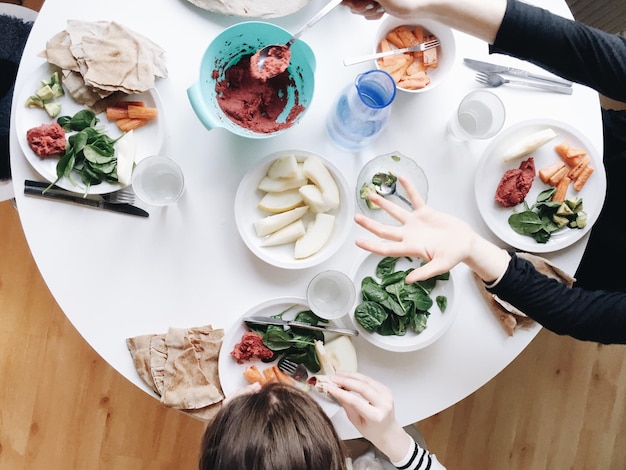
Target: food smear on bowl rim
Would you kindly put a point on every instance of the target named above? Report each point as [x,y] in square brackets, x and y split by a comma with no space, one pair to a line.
[255,104]
[276,62]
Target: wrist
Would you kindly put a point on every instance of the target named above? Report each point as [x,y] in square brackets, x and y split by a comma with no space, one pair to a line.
[394,443]
[487,260]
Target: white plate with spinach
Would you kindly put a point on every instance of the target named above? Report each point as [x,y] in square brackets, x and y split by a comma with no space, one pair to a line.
[492,166]
[389,313]
[148,139]
[231,373]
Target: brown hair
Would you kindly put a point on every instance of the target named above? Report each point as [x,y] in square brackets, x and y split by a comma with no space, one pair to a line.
[278,428]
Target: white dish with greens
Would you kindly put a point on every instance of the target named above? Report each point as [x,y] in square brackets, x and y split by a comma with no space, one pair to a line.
[396,316]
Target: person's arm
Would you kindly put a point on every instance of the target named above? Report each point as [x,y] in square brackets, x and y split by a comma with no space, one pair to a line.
[369,406]
[587,315]
[565,47]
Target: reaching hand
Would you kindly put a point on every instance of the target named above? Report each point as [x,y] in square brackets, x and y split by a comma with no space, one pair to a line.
[369,9]
[433,236]
[369,406]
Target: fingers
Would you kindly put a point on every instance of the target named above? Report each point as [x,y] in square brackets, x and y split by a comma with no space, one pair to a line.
[371,10]
[386,232]
[411,191]
[394,210]
[371,390]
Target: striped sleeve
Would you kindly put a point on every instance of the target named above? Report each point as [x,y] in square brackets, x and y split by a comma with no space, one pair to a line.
[418,459]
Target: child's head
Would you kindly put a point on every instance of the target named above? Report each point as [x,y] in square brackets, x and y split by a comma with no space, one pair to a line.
[278,428]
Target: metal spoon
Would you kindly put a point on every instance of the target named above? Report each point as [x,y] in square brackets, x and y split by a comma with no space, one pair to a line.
[386,189]
[282,51]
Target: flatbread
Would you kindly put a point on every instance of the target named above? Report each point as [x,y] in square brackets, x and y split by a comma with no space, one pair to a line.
[252,8]
[139,348]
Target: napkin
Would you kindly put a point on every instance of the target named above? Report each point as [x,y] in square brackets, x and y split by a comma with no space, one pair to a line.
[101,61]
[181,367]
[510,317]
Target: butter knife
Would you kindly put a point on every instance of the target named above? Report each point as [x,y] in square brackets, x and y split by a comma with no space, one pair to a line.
[62,195]
[488,67]
[297,324]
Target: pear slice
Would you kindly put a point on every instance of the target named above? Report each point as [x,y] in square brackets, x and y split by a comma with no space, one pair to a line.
[313,197]
[342,353]
[288,234]
[529,144]
[125,153]
[275,222]
[284,167]
[281,202]
[277,185]
[317,235]
[326,365]
[315,170]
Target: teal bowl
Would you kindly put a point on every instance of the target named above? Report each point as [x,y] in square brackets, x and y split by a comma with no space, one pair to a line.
[226,50]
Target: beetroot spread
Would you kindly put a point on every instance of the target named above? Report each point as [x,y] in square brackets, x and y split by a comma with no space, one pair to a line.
[47,140]
[251,346]
[516,183]
[276,62]
[256,104]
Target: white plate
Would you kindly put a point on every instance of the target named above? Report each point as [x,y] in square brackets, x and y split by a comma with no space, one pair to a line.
[438,323]
[397,164]
[492,167]
[247,211]
[231,373]
[148,139]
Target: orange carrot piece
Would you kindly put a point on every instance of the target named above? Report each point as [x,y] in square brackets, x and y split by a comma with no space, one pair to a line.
[128,124]
[269,375]
[561,189]
[394,38]
[574,172]
[141,112]
[555,178]
[281,376]
[582,178]
[114,113]
[547,172]
[252,375]
[570,155]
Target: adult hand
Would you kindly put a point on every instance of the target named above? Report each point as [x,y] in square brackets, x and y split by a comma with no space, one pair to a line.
[369,9]
[369,406]
[438,238]
[441,239]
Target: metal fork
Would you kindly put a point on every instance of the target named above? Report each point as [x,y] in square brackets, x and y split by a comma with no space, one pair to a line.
[293,369]
[417,48]
[495,80]
[123,196]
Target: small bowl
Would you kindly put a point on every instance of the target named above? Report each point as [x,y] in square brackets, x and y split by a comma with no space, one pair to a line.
[226,50]
[247,212]
[397,164]
[438,322]
[446,51]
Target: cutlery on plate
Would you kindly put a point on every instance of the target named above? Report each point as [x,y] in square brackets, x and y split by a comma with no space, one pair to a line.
[297,324]
[293,369]
[417,48]
[481,66]
[496,80]
[66,196]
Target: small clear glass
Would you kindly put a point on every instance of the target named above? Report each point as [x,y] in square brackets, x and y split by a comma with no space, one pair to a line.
[480,115]
[331,294]
[158,181]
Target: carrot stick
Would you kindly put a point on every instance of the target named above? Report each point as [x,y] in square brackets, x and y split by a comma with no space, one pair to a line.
[128,124]
[114,113]
[252,375]
[548,171]
[574,172]
[141,112]
[561,189]
[269,375]
[555,178]
[583,177]
[281,376]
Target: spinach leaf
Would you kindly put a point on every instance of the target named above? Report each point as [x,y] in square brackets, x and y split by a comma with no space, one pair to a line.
[370,315]
[442,302]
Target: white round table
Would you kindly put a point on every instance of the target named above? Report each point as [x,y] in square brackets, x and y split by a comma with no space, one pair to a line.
[117,276]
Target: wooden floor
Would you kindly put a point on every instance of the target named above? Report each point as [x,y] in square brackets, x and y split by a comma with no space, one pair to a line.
[560,405]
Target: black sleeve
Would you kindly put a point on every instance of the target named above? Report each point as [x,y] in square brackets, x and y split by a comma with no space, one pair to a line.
[566,48]
[587,315]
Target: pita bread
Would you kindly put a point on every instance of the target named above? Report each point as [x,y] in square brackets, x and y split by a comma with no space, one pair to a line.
[510,317]
[252,8]
[99,59]
[181,366]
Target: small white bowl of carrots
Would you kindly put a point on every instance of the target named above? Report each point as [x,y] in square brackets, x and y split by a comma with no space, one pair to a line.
[415,72]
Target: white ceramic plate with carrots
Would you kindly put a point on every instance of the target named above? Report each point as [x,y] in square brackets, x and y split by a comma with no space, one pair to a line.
[492,166]
[148,139]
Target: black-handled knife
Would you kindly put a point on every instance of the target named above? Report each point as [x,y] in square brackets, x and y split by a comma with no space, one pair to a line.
[62,195]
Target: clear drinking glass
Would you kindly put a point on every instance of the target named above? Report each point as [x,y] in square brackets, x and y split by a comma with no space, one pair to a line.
[158,181]
[361,110]
[480,115]
[331,294]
